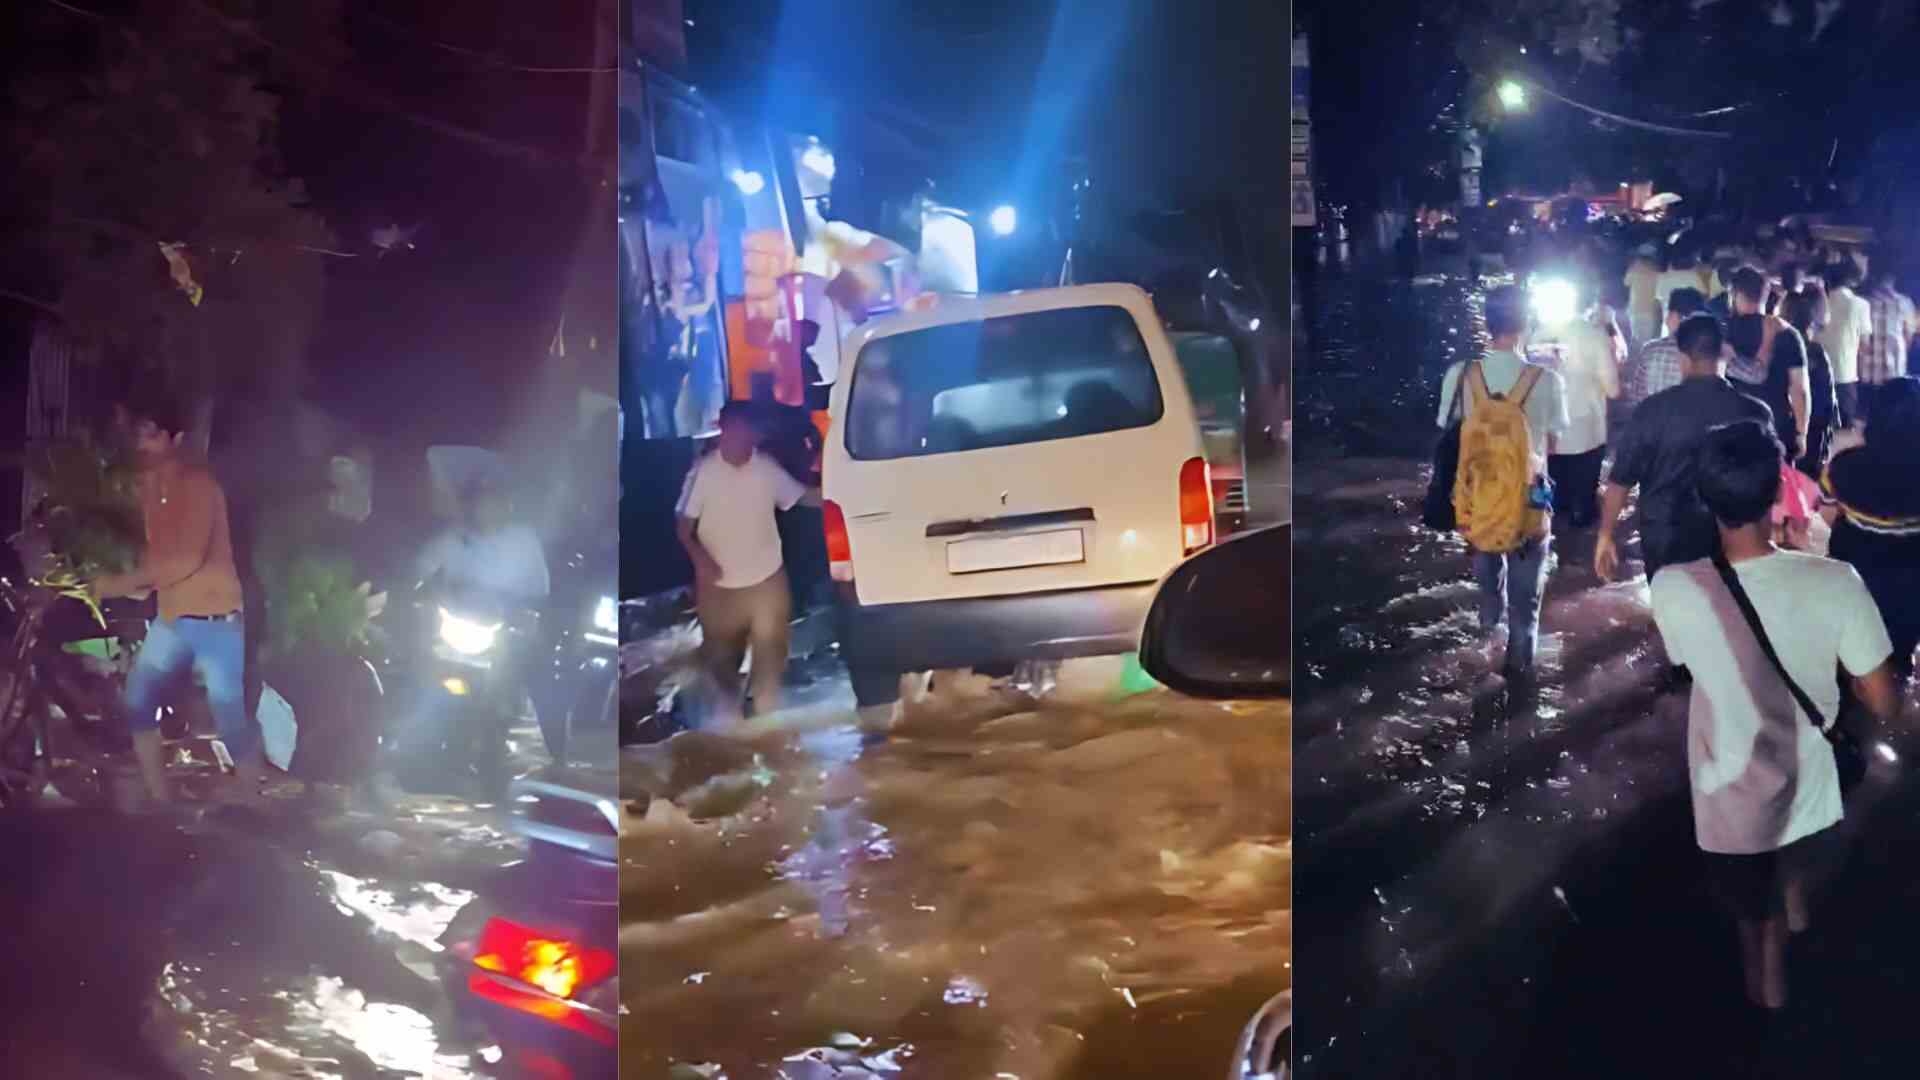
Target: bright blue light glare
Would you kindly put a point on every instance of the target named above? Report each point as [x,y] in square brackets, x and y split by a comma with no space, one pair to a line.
[1003,220]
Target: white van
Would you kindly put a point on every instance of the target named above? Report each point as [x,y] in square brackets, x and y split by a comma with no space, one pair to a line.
[1006,478]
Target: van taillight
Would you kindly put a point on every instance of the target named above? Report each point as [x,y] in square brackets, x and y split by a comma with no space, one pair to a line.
[1196,505]
[839,546]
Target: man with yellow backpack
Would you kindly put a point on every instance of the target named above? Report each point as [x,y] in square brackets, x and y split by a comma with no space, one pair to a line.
[1509,411]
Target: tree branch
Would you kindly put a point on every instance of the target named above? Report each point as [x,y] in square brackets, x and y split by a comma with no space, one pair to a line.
[378,101]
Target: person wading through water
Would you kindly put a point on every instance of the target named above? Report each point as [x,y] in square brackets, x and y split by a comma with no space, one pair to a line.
[728,527]
[1512,409]
[1764,630]
[1657,454]
[200,626]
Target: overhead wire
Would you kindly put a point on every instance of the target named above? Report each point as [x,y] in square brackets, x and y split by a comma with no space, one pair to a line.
[330,80]
[489,59]
[1626,121]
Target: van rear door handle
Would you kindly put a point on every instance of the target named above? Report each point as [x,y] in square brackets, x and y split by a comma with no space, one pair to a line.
[1009,523]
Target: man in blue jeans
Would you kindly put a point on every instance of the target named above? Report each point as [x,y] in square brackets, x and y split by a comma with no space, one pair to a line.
[1511,583]
[200,626]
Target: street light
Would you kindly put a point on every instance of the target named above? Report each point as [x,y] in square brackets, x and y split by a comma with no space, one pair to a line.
[749,183]
[1513,96]
[1003,220]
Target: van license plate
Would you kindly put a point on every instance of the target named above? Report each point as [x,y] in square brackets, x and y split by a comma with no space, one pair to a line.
[1013,552]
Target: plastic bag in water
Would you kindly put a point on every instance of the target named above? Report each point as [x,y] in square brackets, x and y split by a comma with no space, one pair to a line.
[278,731]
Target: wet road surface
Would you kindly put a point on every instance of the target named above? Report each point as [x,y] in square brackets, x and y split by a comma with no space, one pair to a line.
[1002,888]
[1503,885]
[300,944]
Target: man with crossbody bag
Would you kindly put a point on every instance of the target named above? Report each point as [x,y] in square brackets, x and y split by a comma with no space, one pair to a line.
[1764,632]
[1509,411]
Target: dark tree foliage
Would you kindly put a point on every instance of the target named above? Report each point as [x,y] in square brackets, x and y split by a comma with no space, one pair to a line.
[155,122]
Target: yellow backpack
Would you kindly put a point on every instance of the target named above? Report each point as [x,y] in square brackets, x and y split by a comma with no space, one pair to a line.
[1496,472]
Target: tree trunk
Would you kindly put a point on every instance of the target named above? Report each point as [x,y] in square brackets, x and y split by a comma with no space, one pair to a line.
[200,431]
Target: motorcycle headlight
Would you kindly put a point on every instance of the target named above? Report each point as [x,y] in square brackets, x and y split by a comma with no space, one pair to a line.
[467,636]
[606,616]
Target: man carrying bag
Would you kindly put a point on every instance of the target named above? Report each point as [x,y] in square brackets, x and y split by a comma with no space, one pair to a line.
[1764,632]
[1509,410]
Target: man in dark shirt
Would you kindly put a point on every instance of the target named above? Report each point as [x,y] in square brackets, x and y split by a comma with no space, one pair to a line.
[1770,359]
[1656,454]
[1721,306]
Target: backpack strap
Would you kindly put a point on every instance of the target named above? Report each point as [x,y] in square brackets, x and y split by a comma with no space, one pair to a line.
[1475,378]
[1529,378]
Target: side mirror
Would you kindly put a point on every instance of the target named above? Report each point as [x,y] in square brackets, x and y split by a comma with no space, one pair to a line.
[1221,624]
[1266,1047]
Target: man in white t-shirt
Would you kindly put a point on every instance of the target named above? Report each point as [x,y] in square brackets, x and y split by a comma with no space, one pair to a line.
[1764,781]
[1512,583]
[1849,323]
[490,552]
[728,527]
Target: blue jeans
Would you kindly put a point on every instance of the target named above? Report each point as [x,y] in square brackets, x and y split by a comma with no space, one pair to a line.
[1512,584]
[214,649]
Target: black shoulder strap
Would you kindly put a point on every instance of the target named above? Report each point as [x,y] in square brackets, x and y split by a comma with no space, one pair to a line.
[1740,597]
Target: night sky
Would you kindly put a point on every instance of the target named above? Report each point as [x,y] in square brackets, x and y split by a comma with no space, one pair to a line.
[1383,71]
[438,339]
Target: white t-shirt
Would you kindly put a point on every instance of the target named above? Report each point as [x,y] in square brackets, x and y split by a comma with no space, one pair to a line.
[1763,775]
[1591,375]
[734,506]
[1546,406]
[1670,280]
[1849,322]
[509,563]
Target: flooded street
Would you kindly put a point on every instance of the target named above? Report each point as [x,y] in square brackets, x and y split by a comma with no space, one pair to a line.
[1499,886]
[1080,887]
[235,946]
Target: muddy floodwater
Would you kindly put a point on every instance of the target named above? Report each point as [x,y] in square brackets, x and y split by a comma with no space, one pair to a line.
[1001,888]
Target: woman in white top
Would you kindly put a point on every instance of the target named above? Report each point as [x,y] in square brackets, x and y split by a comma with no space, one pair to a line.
[1645,305]
[1590,366]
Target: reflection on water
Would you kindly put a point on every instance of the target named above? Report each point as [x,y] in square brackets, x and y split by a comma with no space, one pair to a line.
[998,890]
[420,919]
[346,996]
[237,946]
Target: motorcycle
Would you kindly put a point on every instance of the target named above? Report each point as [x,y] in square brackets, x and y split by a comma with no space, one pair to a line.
[59,689]
[534,963]
[469,676]
[581,695]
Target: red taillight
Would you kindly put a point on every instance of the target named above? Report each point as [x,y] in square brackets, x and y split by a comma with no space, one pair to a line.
[560,967]
[839,545]
[1196,505]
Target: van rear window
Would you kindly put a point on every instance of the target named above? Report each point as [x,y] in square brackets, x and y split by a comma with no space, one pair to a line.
[1006,381]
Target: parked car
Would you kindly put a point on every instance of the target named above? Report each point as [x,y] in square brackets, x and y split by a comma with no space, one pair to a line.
[1221,628]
